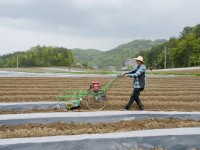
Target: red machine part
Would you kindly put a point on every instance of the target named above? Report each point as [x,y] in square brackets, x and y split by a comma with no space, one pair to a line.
[95,86]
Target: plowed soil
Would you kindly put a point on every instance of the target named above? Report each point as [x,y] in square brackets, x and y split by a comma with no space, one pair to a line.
[37,130]
[189,71]
[162,93]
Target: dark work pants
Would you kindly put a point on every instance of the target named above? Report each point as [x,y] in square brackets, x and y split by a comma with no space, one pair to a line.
[135,97]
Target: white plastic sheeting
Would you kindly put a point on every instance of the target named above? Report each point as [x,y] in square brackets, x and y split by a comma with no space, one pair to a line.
[176,139]
[101,116]
[20,106]
[27,74]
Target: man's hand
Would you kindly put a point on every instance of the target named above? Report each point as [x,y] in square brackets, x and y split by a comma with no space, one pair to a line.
[120,76]
[125,75]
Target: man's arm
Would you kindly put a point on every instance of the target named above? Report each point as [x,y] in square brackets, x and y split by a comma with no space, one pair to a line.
[131,72]
[139,71]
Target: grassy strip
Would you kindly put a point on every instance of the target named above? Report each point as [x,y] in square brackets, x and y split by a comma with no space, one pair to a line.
[170,73]
[33,70]
[93,72]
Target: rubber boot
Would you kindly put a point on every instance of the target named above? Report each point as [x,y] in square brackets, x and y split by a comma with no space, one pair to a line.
[129,103]
[141,107]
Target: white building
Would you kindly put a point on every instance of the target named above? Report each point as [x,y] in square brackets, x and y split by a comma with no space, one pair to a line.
[131,63]
[79,65]
[95,67]
[111,68]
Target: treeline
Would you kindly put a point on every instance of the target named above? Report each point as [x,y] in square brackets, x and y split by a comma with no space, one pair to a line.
[39,56]
[183,51]
[117,56]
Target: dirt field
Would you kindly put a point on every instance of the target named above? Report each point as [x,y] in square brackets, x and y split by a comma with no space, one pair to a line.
[185,71]
[162,93]
[36,130]
[180,93]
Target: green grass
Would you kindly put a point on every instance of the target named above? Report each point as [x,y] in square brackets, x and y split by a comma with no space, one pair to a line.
[174,73]
[93,72]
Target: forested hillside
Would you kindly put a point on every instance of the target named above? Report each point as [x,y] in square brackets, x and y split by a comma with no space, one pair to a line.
[39,56]
[85,56]
[182,51]
[54,56]
[117,56]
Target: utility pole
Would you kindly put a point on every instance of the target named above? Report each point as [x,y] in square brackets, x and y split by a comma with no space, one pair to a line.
[17,62]
[165,56]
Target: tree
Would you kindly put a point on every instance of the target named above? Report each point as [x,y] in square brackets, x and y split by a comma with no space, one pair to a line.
[39,57]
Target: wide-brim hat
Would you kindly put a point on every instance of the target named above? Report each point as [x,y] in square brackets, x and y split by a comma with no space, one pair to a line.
[140,58]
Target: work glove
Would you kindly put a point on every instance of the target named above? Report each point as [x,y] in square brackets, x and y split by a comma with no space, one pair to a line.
[125,73]
[120,76]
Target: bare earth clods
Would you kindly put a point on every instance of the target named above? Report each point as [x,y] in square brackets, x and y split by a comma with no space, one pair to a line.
[61,128]
[161,94]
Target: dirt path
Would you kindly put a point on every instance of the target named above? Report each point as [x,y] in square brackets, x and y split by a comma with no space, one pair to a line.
[37,130]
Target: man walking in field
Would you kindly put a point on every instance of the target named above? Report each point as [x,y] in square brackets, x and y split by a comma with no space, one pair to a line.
[139,76]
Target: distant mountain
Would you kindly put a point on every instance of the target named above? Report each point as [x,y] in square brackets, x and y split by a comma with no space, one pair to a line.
[85,56]
[117,56]
[57,56]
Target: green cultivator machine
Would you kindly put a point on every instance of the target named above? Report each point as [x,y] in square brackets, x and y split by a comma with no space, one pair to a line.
[95,96]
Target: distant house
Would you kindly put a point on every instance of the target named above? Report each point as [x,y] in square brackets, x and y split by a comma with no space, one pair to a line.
[79,65]
[95,67]
[111,68]
[130,63]
[124,68]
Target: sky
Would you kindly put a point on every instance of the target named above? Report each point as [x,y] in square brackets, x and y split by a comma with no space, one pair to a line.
[95,24]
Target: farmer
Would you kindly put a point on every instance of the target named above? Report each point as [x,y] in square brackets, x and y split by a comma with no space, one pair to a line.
[139,76]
